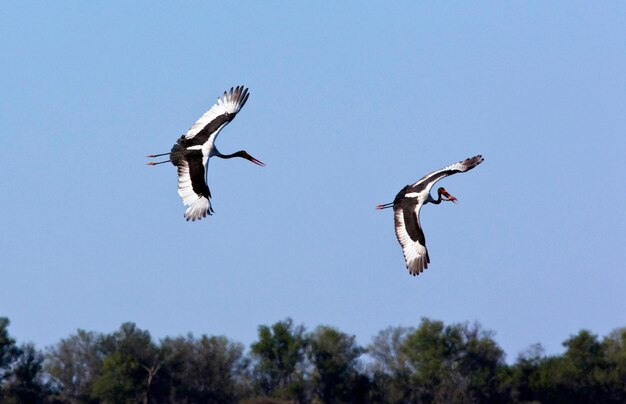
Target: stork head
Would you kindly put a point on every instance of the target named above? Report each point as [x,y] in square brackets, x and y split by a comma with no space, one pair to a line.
[447,196]
[244,154]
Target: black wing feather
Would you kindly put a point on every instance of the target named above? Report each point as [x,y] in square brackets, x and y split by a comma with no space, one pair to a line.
[196,173]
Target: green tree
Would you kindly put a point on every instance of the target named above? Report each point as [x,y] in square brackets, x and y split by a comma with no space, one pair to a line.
[334,356]
[25,382]
[130,368]
[279,354]
[482,364]
[583,374]
[432,353]
[584,367]
[615,353]
[73,364]
[120,381]
[525,376]
[8,350]
[206,370]
[389,369]
[436,363]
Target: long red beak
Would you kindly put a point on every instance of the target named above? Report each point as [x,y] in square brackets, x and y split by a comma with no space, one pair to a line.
[257,162]
[448,196]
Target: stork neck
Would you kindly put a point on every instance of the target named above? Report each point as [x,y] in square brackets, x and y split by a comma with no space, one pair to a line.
[215,152]
[435,201]
[230,156]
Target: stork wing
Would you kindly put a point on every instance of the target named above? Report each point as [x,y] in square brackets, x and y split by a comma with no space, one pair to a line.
[411,237]
[193,188]
[218,116]
[427,181]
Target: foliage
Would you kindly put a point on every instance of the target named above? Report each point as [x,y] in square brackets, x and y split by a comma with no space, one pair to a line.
[21,377]
[334,356]
[279,360]
[73,364]
[436,363]
[588,371]
[25,383]
[8,350]
[389,371]
[432,363]
[131,363]
[205,370]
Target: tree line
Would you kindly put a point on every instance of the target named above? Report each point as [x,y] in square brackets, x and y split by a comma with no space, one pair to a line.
[430,363]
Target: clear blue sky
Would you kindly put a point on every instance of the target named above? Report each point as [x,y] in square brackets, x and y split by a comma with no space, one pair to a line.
[348,104]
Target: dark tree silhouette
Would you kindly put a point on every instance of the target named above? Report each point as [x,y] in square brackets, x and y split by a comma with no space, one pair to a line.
[432,363]
[279,355]
[334,357]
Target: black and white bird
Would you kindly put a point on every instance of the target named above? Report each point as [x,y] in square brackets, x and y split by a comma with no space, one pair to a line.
[192,152]
[406,208]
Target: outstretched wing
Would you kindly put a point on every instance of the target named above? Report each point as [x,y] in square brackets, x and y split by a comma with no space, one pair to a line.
[218,116]
[192,187]
[427,181]
[411,237]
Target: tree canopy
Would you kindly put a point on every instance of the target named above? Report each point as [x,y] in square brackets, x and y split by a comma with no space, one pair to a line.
[430,363]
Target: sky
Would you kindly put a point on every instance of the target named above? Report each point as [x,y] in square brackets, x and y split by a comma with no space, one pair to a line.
[348,103]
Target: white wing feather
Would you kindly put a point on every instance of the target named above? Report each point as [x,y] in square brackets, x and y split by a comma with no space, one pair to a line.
[461,166]
[415,254]
[199,205]
[231,102]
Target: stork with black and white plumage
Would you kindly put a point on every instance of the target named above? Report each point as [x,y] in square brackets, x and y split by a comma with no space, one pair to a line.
[406,208]
[192,152]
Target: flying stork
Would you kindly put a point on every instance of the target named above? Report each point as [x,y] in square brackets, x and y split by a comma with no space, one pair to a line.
[192,152]
[406,209]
